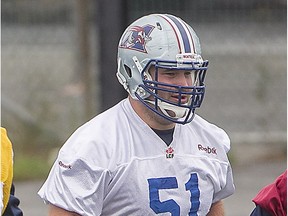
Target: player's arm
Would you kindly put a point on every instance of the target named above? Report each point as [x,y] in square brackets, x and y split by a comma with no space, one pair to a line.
[217,209]
[56,211]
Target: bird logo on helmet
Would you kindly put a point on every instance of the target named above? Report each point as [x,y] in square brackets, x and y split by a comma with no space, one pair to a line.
[136,37]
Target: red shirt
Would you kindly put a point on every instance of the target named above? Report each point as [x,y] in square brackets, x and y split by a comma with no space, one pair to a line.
[273,197]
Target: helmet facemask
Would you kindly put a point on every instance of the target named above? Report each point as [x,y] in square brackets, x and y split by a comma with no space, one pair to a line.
[185,98]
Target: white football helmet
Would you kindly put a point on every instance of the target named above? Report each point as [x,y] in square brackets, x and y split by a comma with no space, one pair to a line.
[162,41]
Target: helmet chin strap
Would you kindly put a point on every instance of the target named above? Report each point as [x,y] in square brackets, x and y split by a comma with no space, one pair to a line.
[179,112]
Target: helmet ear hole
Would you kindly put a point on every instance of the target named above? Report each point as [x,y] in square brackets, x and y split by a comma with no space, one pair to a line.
[128,71]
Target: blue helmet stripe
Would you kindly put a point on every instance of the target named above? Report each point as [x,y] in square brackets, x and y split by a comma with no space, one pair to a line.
[183,33]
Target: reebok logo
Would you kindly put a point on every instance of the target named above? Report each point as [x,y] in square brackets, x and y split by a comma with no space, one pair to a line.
[68,166]
[207,149]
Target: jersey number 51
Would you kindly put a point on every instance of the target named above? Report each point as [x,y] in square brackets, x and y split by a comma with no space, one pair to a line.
[156,184]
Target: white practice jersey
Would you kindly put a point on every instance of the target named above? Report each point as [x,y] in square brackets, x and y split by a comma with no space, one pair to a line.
[116,165]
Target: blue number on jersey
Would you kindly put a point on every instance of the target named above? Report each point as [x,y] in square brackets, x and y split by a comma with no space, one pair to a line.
[156,184]
[192,186]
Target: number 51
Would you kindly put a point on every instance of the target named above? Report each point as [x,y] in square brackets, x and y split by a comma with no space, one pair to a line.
[156,184]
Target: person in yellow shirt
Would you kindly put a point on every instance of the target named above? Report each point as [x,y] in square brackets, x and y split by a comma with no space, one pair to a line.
[9,203]
[6,169]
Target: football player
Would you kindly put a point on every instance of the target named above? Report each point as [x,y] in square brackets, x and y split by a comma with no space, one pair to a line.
[150,154]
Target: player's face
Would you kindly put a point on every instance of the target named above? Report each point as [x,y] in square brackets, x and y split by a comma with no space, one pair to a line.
[173,77]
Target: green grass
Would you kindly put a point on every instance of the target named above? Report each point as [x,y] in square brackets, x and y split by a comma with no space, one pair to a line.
[27,167]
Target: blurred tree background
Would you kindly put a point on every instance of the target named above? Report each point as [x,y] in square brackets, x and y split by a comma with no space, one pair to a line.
[59,63]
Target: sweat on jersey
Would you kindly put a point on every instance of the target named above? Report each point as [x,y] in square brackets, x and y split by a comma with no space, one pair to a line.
[115,164]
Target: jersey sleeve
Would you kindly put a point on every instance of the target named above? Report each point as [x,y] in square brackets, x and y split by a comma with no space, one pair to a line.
[228,188]
[74,185]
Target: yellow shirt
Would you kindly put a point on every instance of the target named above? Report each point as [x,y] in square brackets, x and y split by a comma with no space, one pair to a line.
[6,167]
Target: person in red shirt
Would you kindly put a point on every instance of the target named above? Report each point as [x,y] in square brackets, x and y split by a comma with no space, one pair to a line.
[272,199]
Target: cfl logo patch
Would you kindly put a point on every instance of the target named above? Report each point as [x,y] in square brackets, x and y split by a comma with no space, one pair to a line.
[170,152]
[207,149]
